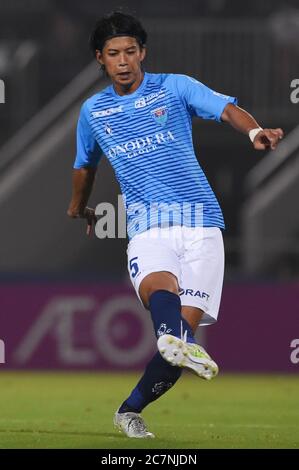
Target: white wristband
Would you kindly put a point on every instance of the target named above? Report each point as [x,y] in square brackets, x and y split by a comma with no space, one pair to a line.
[252,134]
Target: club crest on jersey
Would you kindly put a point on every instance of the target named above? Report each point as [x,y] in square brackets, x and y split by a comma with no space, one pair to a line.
[160,115]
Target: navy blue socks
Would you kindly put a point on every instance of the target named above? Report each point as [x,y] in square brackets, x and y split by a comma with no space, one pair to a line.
[159,375]
[165,308]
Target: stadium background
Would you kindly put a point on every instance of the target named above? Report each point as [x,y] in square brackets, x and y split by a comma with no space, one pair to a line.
[66,302]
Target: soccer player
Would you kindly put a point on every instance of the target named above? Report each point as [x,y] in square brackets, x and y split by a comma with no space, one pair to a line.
[142,123]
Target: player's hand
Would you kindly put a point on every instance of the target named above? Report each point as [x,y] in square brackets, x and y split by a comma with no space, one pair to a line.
[87,213]
[268,138]
[91,218]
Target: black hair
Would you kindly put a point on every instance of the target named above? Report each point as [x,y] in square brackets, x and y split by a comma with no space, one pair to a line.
[113,25]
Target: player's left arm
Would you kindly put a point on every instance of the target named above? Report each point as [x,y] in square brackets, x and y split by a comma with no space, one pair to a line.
[243,122]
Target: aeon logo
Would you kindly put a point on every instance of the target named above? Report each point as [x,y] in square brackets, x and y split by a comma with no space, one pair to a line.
[103,326]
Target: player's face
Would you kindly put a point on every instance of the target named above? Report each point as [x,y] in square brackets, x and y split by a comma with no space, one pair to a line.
[122,57]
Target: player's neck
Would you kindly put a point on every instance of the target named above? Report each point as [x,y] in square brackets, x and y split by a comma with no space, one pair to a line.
[128,89]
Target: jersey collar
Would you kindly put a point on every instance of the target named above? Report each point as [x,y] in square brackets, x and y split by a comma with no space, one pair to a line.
[137,92]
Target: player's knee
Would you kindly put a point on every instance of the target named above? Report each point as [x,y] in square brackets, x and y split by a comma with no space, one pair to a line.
[151,284]
[145,295]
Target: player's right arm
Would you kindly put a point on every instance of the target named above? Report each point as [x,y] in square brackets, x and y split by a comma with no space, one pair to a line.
[82,183]
[84,170]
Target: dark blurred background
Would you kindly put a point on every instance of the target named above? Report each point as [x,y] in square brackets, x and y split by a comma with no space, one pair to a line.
[251,52]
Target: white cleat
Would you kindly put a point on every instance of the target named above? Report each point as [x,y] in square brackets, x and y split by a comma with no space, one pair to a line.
[179,353]
[132,425]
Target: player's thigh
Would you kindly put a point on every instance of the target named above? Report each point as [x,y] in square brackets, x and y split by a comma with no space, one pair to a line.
[202,270]
[152,265]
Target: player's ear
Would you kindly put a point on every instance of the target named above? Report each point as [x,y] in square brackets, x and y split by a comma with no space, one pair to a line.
[99,57]
[143,53]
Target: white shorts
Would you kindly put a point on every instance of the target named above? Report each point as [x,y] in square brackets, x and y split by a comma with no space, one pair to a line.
[194,255]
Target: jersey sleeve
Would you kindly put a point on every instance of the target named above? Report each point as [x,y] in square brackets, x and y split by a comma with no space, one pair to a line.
[88,150]
[201,100]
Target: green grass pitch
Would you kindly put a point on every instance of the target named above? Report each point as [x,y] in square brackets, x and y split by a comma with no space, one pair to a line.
[75,410]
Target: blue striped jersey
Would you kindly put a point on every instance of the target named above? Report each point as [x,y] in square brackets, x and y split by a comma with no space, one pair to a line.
[147,137]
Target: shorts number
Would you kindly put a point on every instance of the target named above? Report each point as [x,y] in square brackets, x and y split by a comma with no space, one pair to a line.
[134,266]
